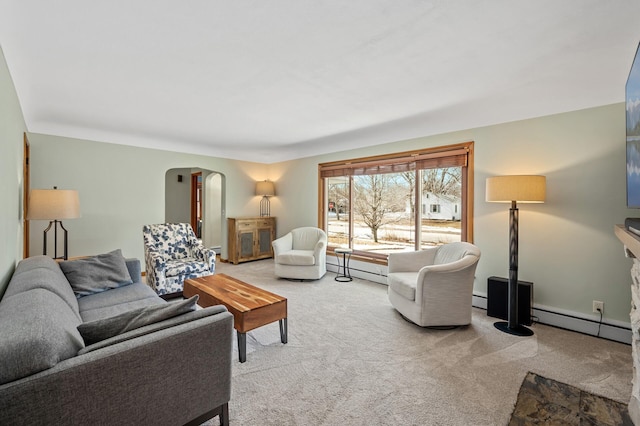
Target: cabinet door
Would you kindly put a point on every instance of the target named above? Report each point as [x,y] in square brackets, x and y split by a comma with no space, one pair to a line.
[246,244]
[264,242]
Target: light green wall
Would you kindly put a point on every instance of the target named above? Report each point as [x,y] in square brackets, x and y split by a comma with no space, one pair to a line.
[177,196]
[567,245]
[121,188]
[12,128]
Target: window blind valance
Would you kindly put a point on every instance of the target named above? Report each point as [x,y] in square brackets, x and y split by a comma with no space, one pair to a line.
[456,157]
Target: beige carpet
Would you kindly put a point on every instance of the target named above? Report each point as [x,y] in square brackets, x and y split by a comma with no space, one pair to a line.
[352,360]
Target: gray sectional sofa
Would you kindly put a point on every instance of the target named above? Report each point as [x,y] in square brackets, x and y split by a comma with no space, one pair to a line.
[139,360]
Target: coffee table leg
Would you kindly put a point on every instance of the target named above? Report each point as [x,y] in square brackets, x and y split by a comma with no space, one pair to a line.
[242,346]
[283,330]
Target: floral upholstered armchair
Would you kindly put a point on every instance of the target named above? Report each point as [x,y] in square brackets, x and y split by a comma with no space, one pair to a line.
[172,254]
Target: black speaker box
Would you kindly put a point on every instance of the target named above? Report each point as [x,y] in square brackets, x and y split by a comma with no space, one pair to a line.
[632,224]
[498,299]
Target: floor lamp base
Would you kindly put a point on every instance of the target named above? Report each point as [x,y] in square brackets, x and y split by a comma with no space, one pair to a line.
[519,330]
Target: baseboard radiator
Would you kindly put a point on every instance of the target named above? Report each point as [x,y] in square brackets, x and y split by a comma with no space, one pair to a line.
[609,329]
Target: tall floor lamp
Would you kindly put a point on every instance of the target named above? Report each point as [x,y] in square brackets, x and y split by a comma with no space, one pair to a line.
[267,189]
[54,205]
[505,189]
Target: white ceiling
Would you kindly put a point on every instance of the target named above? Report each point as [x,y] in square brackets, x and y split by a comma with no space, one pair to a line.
[273,80]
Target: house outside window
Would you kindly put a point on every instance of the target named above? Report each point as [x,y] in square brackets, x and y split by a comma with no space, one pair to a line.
[369,204]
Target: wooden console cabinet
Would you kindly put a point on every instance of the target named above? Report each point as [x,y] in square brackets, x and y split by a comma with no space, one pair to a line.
[250,238]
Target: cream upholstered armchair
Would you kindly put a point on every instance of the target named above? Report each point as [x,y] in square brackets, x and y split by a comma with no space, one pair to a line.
[434,287]
[172,254]
[301,254]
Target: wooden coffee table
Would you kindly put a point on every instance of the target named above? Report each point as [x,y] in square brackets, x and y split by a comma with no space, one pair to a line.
[251,306]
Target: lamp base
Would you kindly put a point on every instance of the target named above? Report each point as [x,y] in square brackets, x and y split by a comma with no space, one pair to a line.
[265,207]
[54,223]
[519,330]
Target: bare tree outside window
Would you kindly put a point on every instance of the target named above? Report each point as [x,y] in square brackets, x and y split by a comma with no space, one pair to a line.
[377,197]
[410,178]
[443,181]
[338,191]
[441,197]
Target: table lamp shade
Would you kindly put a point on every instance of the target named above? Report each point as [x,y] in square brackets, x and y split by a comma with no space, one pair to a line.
[265,188]
[53,204]
[520,188]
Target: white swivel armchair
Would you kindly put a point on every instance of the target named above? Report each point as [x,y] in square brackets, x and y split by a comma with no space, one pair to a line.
[301,254]
[434,287]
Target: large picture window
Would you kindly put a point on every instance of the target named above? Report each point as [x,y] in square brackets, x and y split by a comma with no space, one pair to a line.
[400,202]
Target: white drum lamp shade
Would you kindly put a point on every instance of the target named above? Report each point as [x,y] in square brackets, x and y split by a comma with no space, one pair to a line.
[520,188]
[265,188]
[54,205]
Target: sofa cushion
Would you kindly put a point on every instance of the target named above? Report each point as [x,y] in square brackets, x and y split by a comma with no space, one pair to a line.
[35,262]
[120,308]
[38,330]
[102,329]
[42,272]
[404,283]
[116,296]
[135,269]
[297,257]
[152,328]
[95,274]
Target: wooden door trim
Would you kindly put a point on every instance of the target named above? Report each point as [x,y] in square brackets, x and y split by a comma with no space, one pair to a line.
[194,191]
[26,187]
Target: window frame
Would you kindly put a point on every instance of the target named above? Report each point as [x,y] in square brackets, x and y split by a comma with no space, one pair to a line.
[396,162]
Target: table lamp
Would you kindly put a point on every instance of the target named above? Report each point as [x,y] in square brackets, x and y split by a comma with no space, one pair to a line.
[54,205]
[267,189]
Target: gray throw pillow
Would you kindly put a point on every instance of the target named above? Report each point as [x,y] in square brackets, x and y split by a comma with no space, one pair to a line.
[38,331]
[95,331]
[96,274]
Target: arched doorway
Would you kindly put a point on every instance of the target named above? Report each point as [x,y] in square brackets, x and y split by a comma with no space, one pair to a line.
[202,204]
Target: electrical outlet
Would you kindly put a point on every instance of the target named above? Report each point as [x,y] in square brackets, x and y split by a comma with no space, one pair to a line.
[598,306]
